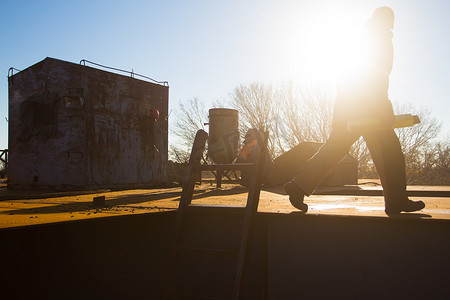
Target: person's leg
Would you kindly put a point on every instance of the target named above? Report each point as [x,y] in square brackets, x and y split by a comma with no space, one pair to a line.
[328,156]
[388,158]
[318,166]
[389,161]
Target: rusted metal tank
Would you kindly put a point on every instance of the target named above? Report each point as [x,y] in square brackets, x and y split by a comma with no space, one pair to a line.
[223,142]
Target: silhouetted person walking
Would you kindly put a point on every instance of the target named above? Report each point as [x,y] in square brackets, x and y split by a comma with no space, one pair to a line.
[366,97]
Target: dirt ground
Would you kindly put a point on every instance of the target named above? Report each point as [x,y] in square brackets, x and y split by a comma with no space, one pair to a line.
[24,208]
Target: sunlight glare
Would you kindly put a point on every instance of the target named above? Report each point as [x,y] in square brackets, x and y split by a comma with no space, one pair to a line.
[330,45]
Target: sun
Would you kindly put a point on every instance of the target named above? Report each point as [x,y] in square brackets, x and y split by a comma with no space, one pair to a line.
[328,45]
[333,51]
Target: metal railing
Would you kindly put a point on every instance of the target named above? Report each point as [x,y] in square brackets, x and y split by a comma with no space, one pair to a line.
[11,71]
[132,73]
[84,61]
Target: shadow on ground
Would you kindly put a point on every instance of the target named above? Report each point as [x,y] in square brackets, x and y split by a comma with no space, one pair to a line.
[128,199]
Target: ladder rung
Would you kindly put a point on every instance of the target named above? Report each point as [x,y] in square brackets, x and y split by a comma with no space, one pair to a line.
[214,209]
[211,251]
[239,166]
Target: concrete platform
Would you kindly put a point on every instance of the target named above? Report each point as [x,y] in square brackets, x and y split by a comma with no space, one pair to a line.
[24,208]
[60,246]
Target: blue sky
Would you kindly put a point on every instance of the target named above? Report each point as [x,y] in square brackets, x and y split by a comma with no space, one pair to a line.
[205,49]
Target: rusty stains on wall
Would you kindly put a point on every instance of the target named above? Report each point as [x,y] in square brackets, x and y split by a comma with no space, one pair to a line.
[75,126]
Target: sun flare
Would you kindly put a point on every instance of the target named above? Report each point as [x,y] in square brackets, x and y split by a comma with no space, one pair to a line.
[328,46]
[332,51]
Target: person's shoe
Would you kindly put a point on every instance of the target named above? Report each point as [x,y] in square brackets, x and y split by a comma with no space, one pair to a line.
[407,206]
[296,196]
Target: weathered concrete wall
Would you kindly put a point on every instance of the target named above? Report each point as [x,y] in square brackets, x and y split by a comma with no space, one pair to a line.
[341,257]
[293,256]
[72,125]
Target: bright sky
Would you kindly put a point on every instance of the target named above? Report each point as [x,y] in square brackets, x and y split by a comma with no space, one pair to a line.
[206,48]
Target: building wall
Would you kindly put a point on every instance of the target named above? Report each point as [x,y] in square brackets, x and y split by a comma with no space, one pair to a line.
[292,256]
[75,126]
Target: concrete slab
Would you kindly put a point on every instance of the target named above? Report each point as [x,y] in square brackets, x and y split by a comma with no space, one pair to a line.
[344,247]
[25,208]
[43,210]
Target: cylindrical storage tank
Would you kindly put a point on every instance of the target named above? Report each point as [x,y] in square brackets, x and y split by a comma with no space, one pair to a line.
[223,142]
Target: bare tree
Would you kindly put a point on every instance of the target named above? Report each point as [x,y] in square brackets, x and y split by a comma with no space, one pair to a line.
[294,114]
[434,167]
[255,105]
[418,136]
[258,108]
[441,164]
[417,140]
[290,114]
[290,129]
[306,113]
[190,117]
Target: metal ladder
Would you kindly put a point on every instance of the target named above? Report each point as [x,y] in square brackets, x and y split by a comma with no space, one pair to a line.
[186,208]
